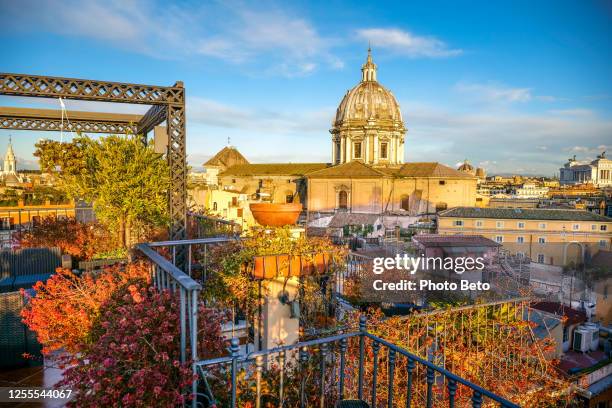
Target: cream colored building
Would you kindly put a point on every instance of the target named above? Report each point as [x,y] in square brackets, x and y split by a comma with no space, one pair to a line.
[412,189]
[548,236]
[598,172]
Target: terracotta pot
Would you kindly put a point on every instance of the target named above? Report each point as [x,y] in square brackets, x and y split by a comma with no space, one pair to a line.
[272,266]
[276,215]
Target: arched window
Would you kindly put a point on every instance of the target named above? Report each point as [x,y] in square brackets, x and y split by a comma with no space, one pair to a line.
[343,199]
[288,197]
[405,203]
[215,206]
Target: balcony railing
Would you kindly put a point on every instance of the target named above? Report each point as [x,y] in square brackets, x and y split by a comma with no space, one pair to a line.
[330,352]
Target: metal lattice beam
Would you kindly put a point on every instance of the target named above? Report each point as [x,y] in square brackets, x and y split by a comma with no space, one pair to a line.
[88,90]
[51,120]
[154,116]
[169,106]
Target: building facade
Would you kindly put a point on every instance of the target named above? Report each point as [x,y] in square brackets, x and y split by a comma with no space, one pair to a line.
[598,172]
[548,236]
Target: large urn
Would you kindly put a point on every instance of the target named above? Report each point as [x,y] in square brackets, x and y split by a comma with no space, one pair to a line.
[276,215]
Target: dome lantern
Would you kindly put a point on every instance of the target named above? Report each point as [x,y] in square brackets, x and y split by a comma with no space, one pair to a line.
[368,126]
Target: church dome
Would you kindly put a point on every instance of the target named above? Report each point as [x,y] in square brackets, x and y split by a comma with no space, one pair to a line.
[369,100]
[466,167]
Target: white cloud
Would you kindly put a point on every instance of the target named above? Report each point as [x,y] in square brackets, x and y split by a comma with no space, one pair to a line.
[235,33]
[215,114]
[494,92]
[407,43]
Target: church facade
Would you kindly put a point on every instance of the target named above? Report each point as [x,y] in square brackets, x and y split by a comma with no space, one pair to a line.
[367,173]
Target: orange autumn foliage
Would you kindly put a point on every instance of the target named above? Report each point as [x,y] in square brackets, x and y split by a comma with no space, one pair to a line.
[65,307]
[80,240]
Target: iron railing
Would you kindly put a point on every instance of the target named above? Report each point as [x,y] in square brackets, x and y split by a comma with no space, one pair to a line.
[302,352]
[166,275]
[204,226]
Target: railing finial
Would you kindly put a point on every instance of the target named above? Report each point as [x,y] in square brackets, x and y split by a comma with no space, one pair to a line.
[362,323]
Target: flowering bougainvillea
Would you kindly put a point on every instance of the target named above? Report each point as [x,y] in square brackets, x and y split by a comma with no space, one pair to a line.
[134,358]
[64,308]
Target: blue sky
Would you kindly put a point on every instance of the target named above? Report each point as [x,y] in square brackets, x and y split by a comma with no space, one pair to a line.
[516,86]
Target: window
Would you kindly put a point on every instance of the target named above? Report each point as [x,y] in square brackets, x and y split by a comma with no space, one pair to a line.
[603,228]
[542,225]
[520,240]
[575,227]
[405,203]
[384,150]
[478,199]
[479,223]
[6,223]
[215,206]
[594,227]
[357,148]
[343,200]
[565,334]
[541,258]
[602,243]
[289,198]
[235,201]
[499,239]
[499,224]
[541,240]
[520,254]
[458,223]
[442,182]
[520,225]
[234,181]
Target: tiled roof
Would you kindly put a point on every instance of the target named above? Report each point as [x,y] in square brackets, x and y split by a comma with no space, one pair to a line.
[348,170]
[429,169]
[227,157]
[524,214]
[341,219]
[273,169]
[573,316]
[435,240]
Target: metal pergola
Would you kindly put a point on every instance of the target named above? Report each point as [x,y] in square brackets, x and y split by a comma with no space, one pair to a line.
[168,104]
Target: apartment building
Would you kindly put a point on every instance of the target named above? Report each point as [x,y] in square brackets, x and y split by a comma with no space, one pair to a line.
[549,236]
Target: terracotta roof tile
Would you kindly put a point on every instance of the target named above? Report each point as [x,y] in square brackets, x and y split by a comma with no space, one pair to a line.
[431,240]
[227,157]
[273,169]
[348,170]
[524,214]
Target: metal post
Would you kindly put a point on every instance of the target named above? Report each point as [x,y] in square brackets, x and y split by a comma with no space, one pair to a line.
[362,331]
[343,347]
[410,369]
[234,352]
[391,378]
[375,350]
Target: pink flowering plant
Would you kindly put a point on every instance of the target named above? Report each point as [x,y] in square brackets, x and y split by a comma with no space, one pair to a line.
[134,358]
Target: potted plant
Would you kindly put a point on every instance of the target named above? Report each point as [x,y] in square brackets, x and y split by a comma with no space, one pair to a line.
[270,214]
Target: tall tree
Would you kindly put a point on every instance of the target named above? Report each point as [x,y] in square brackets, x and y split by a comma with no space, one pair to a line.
[126,181]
